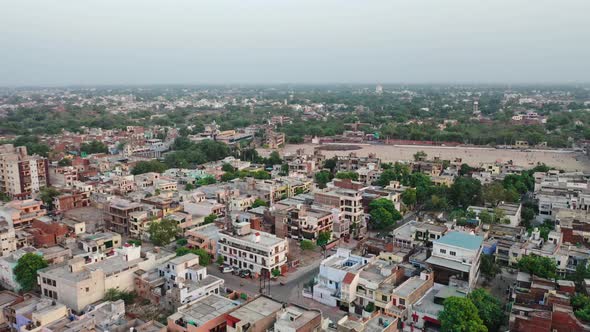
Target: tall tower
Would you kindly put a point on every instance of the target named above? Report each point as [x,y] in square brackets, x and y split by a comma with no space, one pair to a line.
[476,107]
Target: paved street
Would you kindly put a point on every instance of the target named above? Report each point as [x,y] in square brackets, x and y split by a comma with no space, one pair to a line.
[290,292]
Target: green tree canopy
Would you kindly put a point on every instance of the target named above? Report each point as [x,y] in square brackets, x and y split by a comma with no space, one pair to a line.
[543,267]
[324,238]
[465,192]
[94,147]
[46,194]
[348,175]
[409,197]
[259,202]
[460,315]
[25,271]
[489,308]
[162,232]
[148,166]
[383,213]
[210,219]
[322,178]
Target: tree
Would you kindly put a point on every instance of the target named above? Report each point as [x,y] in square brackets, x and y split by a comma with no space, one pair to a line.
[409,197]
[543,267]
[489,308]
[65,162]
[162,232]
[204,257]
[207,180]
[210,219]
[383,213]
[465,169]
[189,187]
[324,238]
[322,178]
[494,193]
[488,267]
[227,168]
[94,147]
[527,214]
[148,166]
[259,202]
[420,156]
[25,271]
[276,272]
[331,164]
[274,158]
[348,175]
[465,192]
[460,315]
[46,194]
[581,305]
[113,294]
[182,242]
[219,260]
[486,217]
[307,245]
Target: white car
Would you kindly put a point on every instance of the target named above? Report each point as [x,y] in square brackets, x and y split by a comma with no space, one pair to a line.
[226,269]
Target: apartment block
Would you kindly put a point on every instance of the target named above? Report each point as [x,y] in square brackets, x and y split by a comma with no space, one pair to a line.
[350,204]
[21,175]
[118,213]
[257,251]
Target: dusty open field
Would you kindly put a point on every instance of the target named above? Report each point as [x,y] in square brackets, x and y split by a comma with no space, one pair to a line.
[566,160]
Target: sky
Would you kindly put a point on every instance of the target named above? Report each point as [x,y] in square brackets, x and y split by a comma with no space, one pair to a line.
[97,42]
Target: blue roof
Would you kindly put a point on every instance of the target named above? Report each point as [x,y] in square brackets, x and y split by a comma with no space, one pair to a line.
[461,240]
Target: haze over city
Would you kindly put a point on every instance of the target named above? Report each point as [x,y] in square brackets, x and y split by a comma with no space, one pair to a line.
[294,166]
[228,42]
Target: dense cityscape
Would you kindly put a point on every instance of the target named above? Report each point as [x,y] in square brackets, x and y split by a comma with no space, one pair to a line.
[375,208]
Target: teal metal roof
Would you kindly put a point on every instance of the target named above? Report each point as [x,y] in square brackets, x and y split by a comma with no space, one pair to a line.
[462,240]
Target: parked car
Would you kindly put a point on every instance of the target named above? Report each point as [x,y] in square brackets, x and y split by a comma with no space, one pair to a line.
[235,271]
[245,273]
[226,269]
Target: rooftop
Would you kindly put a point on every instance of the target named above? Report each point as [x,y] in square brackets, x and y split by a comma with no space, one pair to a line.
[205,309]
[409,286]
[461,240]
[257,309]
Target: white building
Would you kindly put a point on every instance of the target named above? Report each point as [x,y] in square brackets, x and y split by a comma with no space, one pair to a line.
[457,255]
[257,251]
[333,271]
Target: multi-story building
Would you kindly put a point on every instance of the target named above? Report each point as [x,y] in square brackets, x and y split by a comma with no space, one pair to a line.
[257,251]
[118,213]
[78,284]
[22,213]
[294,318]
[7,238]
[204,237]
[352,162]
[21,175]
[351,206]
[335,271]
[456,254]
[71,200]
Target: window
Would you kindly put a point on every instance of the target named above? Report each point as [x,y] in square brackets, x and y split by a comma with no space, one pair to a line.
[452,253]
[402,302]
[384,298]
[443,251]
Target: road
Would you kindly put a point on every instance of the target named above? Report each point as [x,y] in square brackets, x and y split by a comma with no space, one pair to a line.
[290,292]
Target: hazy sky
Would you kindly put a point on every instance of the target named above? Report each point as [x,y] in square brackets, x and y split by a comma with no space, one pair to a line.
[62,42]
